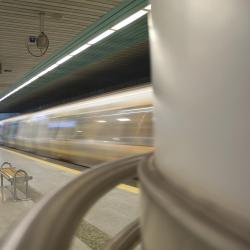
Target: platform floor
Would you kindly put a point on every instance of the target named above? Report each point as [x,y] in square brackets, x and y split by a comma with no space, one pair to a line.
[114,211]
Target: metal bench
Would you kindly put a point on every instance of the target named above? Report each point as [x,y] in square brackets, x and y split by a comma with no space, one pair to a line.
[14,176]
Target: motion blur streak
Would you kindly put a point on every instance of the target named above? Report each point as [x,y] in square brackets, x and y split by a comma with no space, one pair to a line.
[86,132]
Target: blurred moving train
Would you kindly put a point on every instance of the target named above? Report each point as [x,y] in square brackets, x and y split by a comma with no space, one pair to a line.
[86,132]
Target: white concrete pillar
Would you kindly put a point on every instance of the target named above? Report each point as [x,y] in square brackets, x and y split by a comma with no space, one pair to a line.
[200,52]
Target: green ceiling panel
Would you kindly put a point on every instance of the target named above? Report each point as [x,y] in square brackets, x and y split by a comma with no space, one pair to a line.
[134,33]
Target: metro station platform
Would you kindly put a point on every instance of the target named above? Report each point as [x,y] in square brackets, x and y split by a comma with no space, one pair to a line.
[112,213]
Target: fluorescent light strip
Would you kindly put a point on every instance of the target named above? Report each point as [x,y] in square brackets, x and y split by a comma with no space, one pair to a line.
[98,38]
[129,20]
[101,36]
[29,81]
[80,49]
[53,66]
[18,88]
[47,70]
[64,59]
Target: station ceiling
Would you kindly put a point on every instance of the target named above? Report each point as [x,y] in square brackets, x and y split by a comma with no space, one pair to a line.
[63,21]
[120,60]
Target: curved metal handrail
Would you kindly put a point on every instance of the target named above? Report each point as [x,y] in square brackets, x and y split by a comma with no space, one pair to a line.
[127,238]
[52,223]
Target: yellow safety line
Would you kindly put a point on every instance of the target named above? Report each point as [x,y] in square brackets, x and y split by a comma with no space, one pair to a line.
[69,170]
[47,163]
[128,188]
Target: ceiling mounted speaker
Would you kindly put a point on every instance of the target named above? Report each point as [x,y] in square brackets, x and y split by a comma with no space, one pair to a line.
[37,46]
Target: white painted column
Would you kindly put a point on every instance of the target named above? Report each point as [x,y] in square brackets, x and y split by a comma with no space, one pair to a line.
[200,51]
[201,77]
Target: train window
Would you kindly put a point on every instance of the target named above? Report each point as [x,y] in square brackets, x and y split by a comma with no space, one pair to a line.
[123,126]
[52,132]
[86,128]
[26,129]
[112,128]
[61,128]
[34,129]
[23,129]
[5,131]
[10,130]
[128,126]
[1,133]
[13,129]
[31,129]
[42,128]
[64,133]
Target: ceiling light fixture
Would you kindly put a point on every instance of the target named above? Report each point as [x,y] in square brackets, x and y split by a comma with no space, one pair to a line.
[85,46]
[53,66]
[64,59]
[129,20]
[101,36]
[148,7]
[80,49]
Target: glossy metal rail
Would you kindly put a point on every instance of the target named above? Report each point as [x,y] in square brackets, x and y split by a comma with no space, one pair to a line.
[127,238]
[52,223]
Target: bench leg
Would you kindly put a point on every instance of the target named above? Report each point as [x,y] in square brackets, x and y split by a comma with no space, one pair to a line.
[26,189]
[2,187]
[14,190]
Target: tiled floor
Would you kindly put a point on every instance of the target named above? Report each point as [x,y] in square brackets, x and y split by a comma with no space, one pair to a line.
[115,210]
